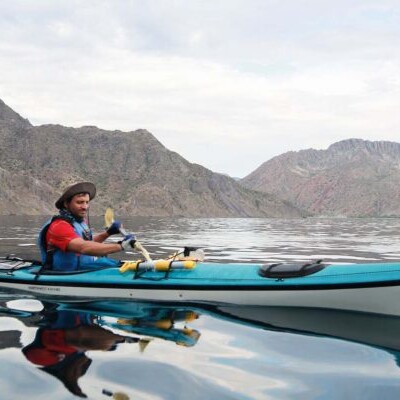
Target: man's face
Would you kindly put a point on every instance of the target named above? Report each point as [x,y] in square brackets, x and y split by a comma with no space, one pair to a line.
[79,205]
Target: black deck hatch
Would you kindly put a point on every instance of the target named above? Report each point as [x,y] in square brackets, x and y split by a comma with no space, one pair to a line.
[290,270]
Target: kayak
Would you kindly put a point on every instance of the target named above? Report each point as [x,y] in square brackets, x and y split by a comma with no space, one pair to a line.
[372,288]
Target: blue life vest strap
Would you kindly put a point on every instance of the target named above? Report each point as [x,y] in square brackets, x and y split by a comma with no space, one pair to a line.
[48,262]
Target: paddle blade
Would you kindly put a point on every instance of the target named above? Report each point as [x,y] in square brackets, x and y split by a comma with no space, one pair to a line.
[109,217]
[143,343]
[120,396]
[138,246]
[116,395]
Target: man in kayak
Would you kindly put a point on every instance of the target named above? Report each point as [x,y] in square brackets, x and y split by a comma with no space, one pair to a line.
[66,241]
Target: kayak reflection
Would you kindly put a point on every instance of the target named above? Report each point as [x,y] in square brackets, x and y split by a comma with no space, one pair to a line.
[374,330]
[153,320]
[65,332]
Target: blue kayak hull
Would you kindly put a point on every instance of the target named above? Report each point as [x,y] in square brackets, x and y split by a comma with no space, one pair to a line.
[358,287]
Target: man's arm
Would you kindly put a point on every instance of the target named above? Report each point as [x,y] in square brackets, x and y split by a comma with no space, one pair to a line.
[62,235]
[91,248]
[101,237]
[113,229]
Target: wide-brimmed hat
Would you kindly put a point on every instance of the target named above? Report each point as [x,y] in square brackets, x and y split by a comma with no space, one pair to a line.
[76,188]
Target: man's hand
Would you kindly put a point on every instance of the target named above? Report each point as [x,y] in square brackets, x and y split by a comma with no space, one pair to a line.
[114,228]
[128,242]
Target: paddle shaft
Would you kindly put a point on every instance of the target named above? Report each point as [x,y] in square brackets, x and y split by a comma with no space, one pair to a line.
[137,245]
[122,231]
[109,217]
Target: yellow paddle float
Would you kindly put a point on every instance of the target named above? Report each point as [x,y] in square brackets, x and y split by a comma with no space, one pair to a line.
[156,265]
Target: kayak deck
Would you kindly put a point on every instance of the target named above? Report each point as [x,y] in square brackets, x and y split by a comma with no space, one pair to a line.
[215,274]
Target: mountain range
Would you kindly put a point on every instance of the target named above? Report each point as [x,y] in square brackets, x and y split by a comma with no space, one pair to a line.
[136,175]
[352,178]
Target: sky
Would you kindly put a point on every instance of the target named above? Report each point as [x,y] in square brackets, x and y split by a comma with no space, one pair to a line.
[227,84]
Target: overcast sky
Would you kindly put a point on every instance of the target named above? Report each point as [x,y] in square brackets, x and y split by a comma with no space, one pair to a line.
[227,84]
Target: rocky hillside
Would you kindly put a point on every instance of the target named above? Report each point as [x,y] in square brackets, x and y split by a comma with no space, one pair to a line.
[351,178]
[133,172]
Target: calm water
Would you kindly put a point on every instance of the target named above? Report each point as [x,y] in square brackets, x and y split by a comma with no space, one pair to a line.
[141,351]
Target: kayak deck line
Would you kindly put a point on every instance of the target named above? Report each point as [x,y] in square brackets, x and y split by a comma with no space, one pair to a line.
[208,287]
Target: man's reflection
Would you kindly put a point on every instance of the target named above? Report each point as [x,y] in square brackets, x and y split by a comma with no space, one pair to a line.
[59,346]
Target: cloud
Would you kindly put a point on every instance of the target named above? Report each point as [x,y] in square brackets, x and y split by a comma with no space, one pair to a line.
[227,84]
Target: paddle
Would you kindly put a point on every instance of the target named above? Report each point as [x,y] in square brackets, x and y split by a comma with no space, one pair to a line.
[115,395]
[109,219]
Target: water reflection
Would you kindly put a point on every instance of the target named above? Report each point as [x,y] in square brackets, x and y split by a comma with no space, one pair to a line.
[66,332]
[62,340]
